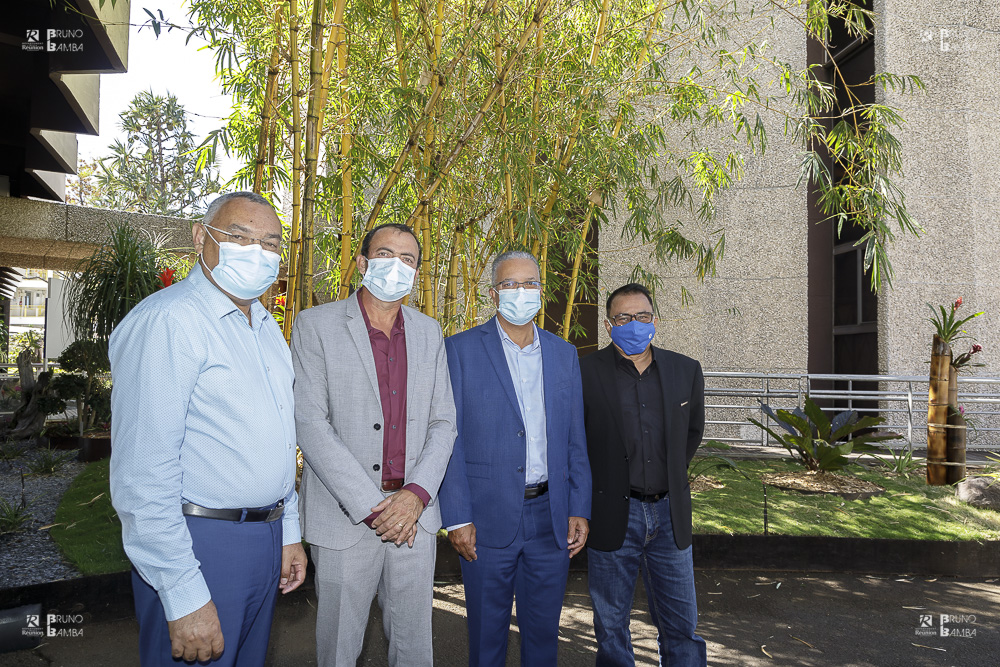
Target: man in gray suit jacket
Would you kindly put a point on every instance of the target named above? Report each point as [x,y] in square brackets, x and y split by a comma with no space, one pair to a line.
[375,419]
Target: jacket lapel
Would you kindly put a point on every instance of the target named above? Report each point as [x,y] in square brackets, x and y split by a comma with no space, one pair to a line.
[494,350]
[609,384]
[359,332]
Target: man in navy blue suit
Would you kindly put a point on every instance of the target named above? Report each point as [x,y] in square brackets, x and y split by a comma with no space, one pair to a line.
[516,496]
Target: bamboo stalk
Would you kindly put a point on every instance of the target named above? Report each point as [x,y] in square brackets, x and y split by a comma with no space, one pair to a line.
[312,142]
[346,143]
[937,413]
[507,185]
[270,94]
[533,151]
[429,107]
[397,32]
[597,197]
[295,240]
[956,434]
[483,108]
[425,223]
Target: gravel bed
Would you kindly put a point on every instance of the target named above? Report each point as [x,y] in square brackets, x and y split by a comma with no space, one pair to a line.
[31,556]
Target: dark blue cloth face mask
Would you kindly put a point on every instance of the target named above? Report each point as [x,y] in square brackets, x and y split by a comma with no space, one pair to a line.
[634,337]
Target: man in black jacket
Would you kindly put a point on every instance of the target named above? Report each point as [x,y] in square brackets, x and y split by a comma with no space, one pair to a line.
[644,409]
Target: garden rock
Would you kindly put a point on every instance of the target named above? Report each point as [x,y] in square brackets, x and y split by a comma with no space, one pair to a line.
[982,492]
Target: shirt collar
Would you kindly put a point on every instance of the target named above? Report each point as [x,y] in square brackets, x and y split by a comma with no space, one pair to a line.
[216,300]
[397,326]
[507,339]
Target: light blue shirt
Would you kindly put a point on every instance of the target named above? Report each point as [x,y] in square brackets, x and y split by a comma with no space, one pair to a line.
[525,366]
[203,413]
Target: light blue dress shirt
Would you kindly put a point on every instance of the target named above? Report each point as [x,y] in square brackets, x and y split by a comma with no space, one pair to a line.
[525,367]
[202,412]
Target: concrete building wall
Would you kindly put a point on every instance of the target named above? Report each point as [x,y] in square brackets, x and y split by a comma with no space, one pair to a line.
[950,142]
[753,315]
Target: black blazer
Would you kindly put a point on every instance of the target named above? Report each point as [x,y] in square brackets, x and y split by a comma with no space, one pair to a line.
[684,413]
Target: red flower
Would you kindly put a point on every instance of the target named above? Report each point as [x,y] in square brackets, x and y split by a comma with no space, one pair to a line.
[280,300]
[167,277]
[958,302]
[976,347]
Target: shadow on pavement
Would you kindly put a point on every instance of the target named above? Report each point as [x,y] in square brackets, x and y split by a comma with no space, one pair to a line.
[748,619]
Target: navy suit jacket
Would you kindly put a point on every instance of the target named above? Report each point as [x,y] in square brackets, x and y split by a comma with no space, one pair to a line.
[485,479]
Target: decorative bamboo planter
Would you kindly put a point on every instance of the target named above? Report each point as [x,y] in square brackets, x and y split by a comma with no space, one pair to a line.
[937,413]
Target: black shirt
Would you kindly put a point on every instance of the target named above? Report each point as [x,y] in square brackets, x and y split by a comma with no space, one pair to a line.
[645,435]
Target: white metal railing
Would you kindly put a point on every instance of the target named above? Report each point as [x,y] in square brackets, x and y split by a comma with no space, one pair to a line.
[28,311]
[732,398]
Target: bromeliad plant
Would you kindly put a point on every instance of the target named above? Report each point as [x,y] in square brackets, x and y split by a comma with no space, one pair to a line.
[946,322]
[819,442]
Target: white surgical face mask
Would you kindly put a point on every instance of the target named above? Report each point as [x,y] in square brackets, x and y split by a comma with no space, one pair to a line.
[388,278]
[245,271]
[519,306]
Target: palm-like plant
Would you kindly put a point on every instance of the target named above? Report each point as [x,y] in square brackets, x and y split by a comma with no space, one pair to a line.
[119,275]
[815,439]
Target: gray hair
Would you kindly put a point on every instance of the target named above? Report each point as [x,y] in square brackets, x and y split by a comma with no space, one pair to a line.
[221,200]
[512,254]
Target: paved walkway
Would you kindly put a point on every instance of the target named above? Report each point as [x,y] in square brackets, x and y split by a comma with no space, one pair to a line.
[748,618]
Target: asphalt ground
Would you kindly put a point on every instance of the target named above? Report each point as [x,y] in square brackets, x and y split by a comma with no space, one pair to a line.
[747,618]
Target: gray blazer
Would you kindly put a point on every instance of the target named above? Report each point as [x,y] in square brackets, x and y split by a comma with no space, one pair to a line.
[338,417]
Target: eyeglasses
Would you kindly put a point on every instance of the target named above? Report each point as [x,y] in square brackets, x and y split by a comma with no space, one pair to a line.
[621,319]
[513,284]
[267,244]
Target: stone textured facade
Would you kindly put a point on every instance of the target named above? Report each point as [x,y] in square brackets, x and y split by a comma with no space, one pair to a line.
[950,142]
[751,316]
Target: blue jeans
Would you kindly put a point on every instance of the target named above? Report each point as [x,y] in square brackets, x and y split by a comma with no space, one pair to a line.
[668,575]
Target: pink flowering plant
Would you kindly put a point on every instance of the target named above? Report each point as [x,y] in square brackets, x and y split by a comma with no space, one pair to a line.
[964,360]
[946,322]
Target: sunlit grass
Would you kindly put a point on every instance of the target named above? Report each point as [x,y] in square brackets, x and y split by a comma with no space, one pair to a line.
[909,509]
[88,530]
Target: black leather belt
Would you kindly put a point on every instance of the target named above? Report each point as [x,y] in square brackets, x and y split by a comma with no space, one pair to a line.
[240,516]
[648,497]
[536,490]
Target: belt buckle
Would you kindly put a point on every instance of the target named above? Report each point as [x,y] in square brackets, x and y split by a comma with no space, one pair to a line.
[392,484]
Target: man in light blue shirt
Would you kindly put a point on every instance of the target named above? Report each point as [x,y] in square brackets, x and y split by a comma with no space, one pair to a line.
[516,496]
[203,447]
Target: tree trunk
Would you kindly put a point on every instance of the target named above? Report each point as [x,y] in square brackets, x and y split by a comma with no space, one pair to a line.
[937,413]
[29,419]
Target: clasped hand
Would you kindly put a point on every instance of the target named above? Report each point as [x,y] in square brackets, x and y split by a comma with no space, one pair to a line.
[398,519]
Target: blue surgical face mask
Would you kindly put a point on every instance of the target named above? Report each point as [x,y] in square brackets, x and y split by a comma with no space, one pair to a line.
[388,278]
[634,337]
[519,306]
[245,271]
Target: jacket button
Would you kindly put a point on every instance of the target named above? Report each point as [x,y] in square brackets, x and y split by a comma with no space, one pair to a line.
[378,426]
[625,498]
[520,468]
[376,467]
[520,434]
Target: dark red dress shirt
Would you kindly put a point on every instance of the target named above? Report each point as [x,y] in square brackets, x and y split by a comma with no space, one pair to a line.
[390,367]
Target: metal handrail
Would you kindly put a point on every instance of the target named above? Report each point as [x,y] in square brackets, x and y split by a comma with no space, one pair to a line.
[727,420]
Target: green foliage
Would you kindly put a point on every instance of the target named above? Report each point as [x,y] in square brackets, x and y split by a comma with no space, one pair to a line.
[900,462]
[13,516]
[88,530]
[909,509]
[84,363]
[820,443]
[30,340]
[154,169]
[695,101]
[119,275]
[946,323]
[10,450]
[49,461]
